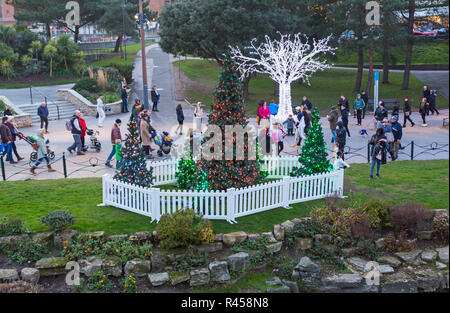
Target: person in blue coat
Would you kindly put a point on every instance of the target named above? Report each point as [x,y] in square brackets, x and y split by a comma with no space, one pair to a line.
[273,107]
[42,112]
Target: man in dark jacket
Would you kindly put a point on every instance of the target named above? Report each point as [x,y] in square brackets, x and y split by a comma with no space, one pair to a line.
[14,135]
[407,113]
[7,111]
[396,130]
[380,114]
[344,102]
[432,102]
[307,103]
[155,98]
[6,136]
[42,112]
[76,131]
[344,118]
[365,97]
[124,95]
[333,118]
[341,137]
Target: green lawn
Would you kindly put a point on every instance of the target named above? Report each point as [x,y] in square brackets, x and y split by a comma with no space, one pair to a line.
[132,50]
[324,91]
[422,181]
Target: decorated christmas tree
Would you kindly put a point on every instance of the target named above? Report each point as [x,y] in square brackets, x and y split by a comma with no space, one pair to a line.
[187,171]
[228,109]
[313,159]
[133,166]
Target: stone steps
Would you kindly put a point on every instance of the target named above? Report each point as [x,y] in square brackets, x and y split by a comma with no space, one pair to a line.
[66,110]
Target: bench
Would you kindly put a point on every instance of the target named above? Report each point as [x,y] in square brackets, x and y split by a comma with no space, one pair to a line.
[389,104]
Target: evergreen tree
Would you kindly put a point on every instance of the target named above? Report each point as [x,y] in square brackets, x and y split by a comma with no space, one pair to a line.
[313,159]
[187,171]
[228,109]
[133,166]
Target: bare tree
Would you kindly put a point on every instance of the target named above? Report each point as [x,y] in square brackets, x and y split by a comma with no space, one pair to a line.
[285,60]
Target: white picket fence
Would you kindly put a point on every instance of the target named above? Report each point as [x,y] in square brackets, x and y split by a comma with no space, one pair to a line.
[223,205]
[164,171]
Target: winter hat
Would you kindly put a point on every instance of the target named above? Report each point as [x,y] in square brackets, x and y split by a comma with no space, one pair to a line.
[333,107]
[395,117]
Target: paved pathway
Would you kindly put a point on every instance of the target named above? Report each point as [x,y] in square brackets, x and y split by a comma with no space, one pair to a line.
[22,96]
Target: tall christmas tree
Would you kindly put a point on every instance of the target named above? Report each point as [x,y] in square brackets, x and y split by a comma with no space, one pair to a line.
[133,166]
[228,109]
[313,159]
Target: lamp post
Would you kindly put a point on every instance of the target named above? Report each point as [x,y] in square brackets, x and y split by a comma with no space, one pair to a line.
[144,60]
[124,43]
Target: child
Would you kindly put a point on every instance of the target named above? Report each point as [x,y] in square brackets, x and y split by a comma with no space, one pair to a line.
[118,148]
[41,152]
[339,163]
[290,123]
[278,136]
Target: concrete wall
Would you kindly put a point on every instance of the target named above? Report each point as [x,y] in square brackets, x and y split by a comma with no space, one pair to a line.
[22,119]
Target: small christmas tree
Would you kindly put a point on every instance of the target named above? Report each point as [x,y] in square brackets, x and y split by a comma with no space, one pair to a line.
[133,167]
[313,159]
[202,182]
[228,109]
[187,171]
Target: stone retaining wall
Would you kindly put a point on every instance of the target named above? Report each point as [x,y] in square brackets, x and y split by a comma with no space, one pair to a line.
[22,119]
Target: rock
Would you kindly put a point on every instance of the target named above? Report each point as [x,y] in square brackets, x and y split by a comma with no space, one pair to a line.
[52,266]
[141,237]
[411,257]
[155,236]
[199,277]
[274,247]
[292,285]
[219,271]
[443,254]
[30,275]
[343,281]
[178,278]
[361,289]
[158,279]
[278,232]
[12,241]
[444,280]
[68,235]
[428,280]
[288,227]
[239,261]
[90,265]
[46,238]
[112,265]
[330,248]
[282,289]
[8,275]
[269,236]
[305,243]
[321,240]
[349,251]
[428,256]
[380,243]
[232,238]
[210,247]
[159,262]
[117,237]
[440,265]
[96,235]
[253,237]
[391,260]
[218,237]
[307,271]
[439,211]
[386,269]
[357,263]
[275,282]
[296,221]
[399,283]
[425,235]
[140,268]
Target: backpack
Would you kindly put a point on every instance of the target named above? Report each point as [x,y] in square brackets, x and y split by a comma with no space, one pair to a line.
[69,125]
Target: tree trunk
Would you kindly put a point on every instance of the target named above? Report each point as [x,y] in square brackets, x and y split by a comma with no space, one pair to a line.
[385,62]
[370,78]
[300,82]
[76,34]
[245,84]
[285,106]
[51,67]
[410,43]
[47,30]
[65,63]
[359,73]
[118,43]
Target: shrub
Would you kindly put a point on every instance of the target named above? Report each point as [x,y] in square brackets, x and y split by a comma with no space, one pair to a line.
[88,84]
[129,284]
[58,220]
[440,226]
[393,244]
[28,251]
[99,281]
[126,70]
[409,216]
[11,227]
[7,69]
[368,249]
[379,212]
[18,287]
[127,251]
[362,227]
[189,261]
[111,98]
[184,228]
[84,93]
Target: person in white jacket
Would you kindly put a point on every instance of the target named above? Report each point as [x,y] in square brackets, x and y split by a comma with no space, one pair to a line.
[101,111]
[300,135]
[339,163]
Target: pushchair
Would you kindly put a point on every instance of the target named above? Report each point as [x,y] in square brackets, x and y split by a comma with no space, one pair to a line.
[33,155]
[94,143]
[163,141]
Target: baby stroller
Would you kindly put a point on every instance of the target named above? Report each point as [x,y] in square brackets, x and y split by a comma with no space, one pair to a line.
[33,155]
[94,143]
[163,141]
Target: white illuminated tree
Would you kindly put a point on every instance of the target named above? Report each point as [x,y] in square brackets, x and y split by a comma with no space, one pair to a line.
[286,60]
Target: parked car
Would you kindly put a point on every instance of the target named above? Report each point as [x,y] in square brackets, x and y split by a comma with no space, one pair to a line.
[426,32]
[442,33]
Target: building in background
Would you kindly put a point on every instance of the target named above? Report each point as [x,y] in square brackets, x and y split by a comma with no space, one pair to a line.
[157,5]
[6,13]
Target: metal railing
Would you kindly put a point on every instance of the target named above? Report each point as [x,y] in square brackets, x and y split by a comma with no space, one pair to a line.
[45,97]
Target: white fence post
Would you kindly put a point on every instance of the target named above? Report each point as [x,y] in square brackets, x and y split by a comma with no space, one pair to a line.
[156,202]
[231,205]
[104,190]
[341,183]
[286,190]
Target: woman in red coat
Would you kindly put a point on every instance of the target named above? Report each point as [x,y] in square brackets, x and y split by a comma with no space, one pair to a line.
[83,129]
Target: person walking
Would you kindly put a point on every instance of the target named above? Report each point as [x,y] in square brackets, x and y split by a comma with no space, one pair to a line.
[378,151]
[264,113]
[397,133]
[124,95]
[333,118]
[365,97]
[8,111]
[6,136]
[115,135]
[341,137]
[343,102]
[155,98]
[14,134]
[101,111]
[344,119]
[423,111]
[407,111]
[75,128]
[83,132]
[42,112]
[278,137]
[180,119]
[41,153]
[432,102]
[426,94]
[198,115]
[380,114]
[144,131]
[358,106]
